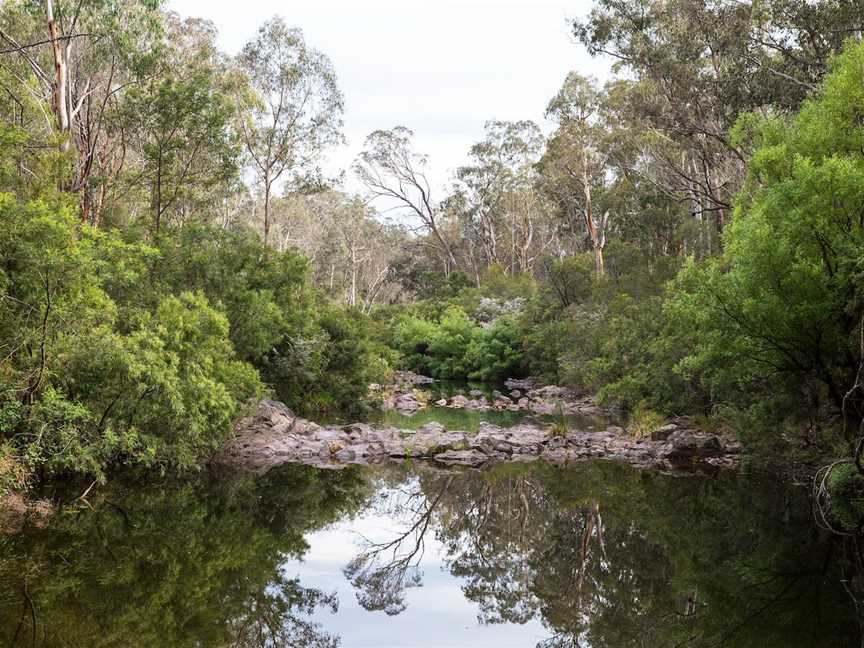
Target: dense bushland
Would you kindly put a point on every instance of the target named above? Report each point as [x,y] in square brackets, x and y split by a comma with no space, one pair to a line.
[685,241]
[121,351]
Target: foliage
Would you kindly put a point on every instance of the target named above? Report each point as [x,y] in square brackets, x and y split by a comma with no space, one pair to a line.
[453,346]
[90,377]
[781,310]
[846,490]
[643,422]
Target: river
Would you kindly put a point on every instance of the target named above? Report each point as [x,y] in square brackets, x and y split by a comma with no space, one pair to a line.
[598,554]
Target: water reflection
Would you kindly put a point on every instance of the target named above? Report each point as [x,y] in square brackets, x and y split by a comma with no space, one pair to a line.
[605,555]
[598,555]
[184,565]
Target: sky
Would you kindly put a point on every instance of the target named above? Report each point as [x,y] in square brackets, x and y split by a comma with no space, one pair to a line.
[440,67]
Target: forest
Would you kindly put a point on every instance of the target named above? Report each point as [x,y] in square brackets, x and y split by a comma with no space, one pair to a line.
[686,240]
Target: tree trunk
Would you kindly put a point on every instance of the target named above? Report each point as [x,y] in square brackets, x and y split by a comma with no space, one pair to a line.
[266,208]
[598,236]
[61,100]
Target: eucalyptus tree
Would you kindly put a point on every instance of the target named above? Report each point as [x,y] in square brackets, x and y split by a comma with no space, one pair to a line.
[577,163]
[698,65]
[295,111]
[179,123]
[74,59]
[392,170]
[350,250]
[503,214]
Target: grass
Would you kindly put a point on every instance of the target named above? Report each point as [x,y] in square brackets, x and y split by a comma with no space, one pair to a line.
[643,422]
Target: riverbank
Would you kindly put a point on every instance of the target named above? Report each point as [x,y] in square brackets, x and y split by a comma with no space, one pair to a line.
[275,435]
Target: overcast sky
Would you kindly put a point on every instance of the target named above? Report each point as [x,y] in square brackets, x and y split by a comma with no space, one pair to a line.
[440,67]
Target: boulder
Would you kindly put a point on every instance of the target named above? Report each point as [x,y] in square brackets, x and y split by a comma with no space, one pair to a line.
[273,435]
[663,432]
[687,446]
[458,401]
[471,458]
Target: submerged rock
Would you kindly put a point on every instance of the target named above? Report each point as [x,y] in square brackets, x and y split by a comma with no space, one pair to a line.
[274,435]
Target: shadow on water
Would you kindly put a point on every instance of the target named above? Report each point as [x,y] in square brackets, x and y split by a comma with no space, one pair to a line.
[595,555]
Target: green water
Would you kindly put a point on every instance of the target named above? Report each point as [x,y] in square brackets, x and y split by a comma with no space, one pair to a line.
[468,420]
[598,555]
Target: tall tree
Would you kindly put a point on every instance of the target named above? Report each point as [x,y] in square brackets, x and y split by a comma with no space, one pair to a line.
[697,66]
[578,158]
[179,121]
[503,214]
[77,58]
[391,169]
[296,112]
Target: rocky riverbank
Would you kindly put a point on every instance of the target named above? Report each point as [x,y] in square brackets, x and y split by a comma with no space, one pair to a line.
[406,395]
[274,435]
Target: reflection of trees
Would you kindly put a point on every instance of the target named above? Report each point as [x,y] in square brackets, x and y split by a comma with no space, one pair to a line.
[384,570]
[196,564]
[608,556]
[490,530]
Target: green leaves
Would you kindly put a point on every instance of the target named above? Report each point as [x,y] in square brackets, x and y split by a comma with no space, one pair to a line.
[90,376]
[781,307]
[454,346]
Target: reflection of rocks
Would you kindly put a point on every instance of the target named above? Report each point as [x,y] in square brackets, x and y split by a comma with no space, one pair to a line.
[274,436]
[404,395]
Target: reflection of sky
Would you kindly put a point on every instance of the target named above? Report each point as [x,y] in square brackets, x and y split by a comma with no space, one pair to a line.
[437,616]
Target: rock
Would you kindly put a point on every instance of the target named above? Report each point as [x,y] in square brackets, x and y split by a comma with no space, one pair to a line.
[523,384]
[542,407]
[476,393]
[477,405]
[516,393]
[410,378]
[502,403]
[441,403]
[663,432]
[458,401]
[17,510]
[408,404]
[549,391]
[274,435]
[733,447]
[686,446]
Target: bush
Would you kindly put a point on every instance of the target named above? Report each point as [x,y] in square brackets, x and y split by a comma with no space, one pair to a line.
[112,379]
[455,347]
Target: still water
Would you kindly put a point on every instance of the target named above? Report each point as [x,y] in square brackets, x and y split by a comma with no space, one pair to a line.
[593,555]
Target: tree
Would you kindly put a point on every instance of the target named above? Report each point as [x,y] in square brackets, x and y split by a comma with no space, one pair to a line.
[392,170]
[576,160]
[179,120]
[779,316]
[503,214]
[78,58]
[296,112]
[696,66]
